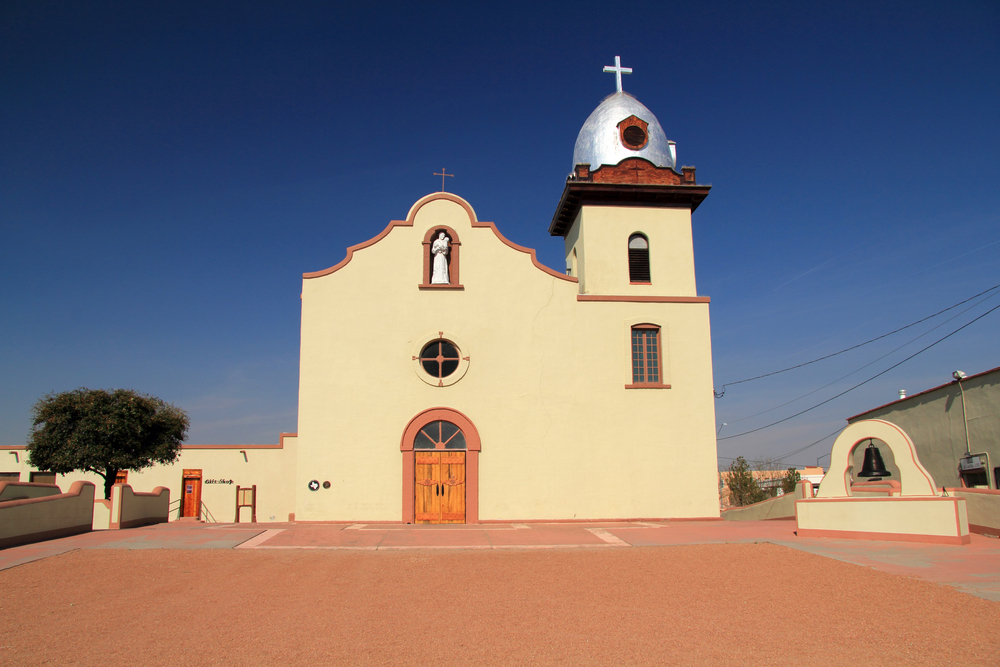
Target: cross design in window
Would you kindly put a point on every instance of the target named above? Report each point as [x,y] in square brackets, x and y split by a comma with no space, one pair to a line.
[439,358]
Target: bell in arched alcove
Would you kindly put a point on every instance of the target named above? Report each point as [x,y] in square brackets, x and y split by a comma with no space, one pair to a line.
[873,465]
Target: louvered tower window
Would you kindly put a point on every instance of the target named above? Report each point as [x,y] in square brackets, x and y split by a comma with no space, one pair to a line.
[638,259]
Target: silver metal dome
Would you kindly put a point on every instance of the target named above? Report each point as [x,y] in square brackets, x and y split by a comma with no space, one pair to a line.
[599,141]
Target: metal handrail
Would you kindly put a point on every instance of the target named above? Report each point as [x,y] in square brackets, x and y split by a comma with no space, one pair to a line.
[180,507]
[206,515]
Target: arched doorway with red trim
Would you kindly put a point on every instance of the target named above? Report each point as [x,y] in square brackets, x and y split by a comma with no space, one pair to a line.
[447,445]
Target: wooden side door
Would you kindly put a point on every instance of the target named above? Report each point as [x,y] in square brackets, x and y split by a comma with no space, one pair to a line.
[426,487]
[191,493]
[452,476]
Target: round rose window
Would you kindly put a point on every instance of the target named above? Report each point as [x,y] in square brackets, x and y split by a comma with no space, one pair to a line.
[439,359]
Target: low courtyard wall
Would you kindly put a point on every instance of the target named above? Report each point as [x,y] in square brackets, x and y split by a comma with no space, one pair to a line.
[130,508]
[23,490]
[46,517]
[781,507]
[984,509]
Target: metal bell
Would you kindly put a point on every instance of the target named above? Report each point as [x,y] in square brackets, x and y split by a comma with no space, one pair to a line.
[873,466]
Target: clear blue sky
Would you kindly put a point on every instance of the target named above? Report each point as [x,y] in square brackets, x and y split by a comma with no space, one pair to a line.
[169,170]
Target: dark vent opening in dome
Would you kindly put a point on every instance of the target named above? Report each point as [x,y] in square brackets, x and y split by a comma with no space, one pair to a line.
[634,137]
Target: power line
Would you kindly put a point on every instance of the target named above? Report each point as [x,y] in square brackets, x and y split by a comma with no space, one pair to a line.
[876,359]
[720,394]
[812,444]
[802,412]
[781,458]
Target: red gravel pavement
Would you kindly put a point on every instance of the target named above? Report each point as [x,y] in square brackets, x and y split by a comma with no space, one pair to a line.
[719,604]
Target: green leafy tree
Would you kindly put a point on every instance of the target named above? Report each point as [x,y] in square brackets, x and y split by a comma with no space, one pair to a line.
[743,488]
[791,479]
[104,432]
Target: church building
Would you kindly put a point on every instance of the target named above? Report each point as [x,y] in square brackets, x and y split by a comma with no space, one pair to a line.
[446,376]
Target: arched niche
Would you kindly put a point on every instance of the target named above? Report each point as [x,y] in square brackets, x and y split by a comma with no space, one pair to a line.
[454,257]
[888,458]
[914,479]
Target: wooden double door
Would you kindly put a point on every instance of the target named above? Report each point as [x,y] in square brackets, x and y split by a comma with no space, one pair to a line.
[439,487]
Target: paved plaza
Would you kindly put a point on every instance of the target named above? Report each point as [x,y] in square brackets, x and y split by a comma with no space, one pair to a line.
[600,593]
[972,568]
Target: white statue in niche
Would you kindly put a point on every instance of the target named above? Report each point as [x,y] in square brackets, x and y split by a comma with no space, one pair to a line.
[439,249]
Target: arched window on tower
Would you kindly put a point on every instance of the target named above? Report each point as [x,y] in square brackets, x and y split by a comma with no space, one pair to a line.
[638,259]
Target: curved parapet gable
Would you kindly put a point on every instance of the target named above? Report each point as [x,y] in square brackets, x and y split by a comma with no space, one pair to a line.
[351,250]
[434,196]
[529,251]
[411,216]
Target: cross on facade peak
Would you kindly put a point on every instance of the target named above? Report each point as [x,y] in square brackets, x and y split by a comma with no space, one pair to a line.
[618,70]
[442,175]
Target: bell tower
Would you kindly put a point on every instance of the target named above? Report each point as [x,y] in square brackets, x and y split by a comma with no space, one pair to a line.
[625,213]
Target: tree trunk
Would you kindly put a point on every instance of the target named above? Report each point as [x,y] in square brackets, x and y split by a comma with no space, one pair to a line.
[109,480]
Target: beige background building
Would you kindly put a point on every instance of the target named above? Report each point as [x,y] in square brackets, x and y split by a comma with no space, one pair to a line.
[936,420]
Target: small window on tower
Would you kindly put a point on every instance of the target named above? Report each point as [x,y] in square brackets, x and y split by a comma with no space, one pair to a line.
[638,259]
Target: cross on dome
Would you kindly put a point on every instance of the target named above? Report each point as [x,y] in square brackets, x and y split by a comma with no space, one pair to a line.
[618,70]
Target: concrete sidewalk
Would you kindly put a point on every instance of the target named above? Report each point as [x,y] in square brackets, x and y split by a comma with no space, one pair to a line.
[972,568]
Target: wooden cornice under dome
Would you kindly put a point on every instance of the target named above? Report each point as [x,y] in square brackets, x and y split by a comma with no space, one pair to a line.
[632,182]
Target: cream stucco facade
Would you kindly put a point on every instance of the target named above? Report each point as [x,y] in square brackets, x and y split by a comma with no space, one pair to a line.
[598,238]
[579,396]
[545,384]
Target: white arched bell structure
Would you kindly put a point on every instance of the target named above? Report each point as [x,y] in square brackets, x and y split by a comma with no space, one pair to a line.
[917,514]
[914,480]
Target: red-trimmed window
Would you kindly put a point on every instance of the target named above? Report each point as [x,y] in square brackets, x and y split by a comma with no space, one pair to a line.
[638,259]
[646,366]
